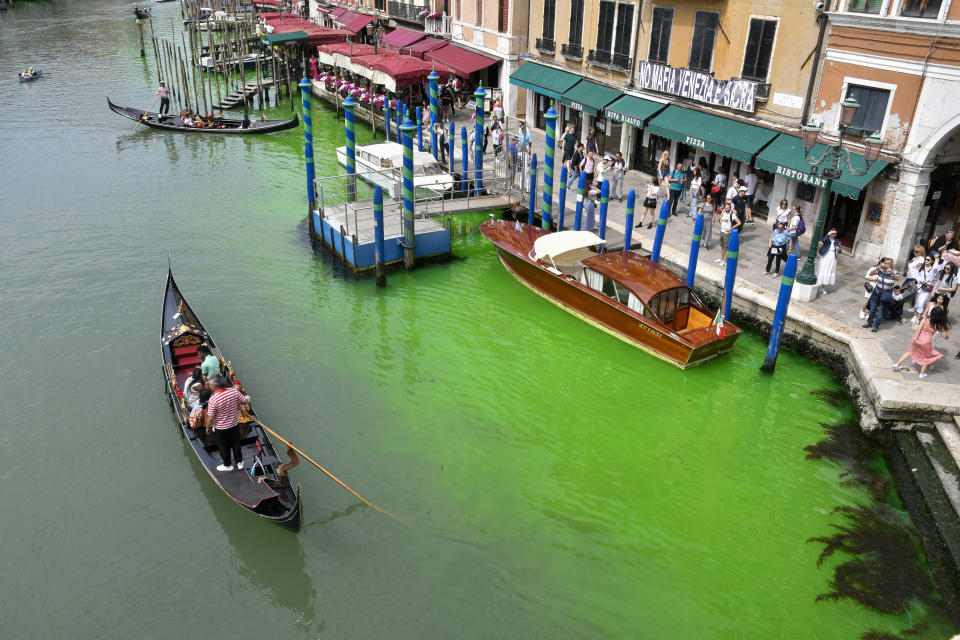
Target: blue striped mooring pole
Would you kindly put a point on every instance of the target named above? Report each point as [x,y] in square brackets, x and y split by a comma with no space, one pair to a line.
[378,235]
[452,141]
[581,188]
[386,118]
[562,198]
[409,240]
[465,159]
[733,253]
[399,121]
[480,96]
[661,230]
[604,199]
[434,112]
[532,209]
[419,130]
[631,202]
[308,146]
[780,315]
[551,143]
[348,117]
[694,249]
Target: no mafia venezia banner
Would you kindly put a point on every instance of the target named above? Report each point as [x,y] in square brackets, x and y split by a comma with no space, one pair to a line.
[693,85]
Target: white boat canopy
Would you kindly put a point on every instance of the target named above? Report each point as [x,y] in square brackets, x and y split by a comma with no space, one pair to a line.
[566,248]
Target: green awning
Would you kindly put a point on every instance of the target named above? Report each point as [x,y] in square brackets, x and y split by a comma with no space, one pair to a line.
[274,39]
[784,156]
[546,80]
[713,133]
[633,110]
[589,97]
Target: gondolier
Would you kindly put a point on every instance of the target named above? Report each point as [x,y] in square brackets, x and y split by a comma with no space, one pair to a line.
[164,94]
[224,412]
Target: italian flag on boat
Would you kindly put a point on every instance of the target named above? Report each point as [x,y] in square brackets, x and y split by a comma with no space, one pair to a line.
[718,323]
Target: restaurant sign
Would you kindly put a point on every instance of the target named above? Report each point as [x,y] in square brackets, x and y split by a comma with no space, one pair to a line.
[801,176]
[633,121]
[693,85]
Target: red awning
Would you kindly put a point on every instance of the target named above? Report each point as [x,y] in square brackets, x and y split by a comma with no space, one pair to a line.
[337,12]
[325,35]
[356,22]
[401,37]
[460,60]
[347,48]
[407,71]
[427,44]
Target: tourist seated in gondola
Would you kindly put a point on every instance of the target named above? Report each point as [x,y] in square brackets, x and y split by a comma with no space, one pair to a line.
[192,387]
[198,415]
[246,121]
[210,365]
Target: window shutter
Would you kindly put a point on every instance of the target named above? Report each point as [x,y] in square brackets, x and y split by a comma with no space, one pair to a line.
[503,22]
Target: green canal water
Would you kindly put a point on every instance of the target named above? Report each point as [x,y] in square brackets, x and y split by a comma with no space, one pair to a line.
[555,482]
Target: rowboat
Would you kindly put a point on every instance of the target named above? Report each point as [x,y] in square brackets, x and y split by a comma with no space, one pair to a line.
[141,13]
[215,125]
[623,293]
[26,76]
[262,487]
[381,163]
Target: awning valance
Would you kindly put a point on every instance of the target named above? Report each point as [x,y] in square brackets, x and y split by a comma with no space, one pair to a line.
[589,97]
[784,156]
[714,133]
[542,79]
[633,111]
[463,62]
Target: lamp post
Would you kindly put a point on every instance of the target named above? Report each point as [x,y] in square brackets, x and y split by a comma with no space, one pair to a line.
[831,171]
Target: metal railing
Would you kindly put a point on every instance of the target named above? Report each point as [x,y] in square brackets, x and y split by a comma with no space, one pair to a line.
[406,11]
[570,50]
[546,45]
[439,26]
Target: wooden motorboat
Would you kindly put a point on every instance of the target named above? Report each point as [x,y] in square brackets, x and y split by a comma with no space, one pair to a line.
[623,293]
[249,61]
[381,163]
[29,76]
[262,487]
[228,126]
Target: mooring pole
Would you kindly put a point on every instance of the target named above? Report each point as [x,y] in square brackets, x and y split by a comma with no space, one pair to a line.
[434,113]
[143,53]
[733,252]
[562,198]
[661,231]
[480,96]
[465,159]
[419,130]
[407,130]
[581,188]
[694,249]
[547,220]
[780,315]
[308,146]
[604,200]
[399,121]
[349,120]
[452,140]
[378,235]
[631,201]
[386,117]
[532,209]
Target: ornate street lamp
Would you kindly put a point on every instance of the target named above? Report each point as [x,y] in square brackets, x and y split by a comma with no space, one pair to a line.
[831,171]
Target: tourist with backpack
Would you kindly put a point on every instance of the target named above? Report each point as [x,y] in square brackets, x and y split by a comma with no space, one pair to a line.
[796,229]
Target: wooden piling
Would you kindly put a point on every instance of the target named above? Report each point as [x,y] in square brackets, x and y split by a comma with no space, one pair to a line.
[143,53]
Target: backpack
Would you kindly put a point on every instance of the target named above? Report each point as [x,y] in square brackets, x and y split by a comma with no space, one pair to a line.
[801,228]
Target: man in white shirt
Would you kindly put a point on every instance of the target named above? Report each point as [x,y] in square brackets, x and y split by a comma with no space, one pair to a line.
[751,181]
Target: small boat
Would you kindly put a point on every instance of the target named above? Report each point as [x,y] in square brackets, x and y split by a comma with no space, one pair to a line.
[143,14]
[623,293]
[249,61]
[381,163]
[27,76]
[211,125]
[262,486]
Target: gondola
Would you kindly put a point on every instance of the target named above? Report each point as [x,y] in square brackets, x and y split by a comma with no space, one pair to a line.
[143,14]
[262,486]
[229,126]
[26,76]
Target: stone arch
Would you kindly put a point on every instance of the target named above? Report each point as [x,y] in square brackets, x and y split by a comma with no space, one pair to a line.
[923,154]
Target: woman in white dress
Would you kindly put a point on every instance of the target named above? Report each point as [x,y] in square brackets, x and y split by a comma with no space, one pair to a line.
[827,269]
[926,279]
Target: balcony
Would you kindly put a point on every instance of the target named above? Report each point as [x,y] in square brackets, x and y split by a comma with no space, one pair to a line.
[572,51]
[546,45]
[439,26]
[599,56]
[614,61]
[406,11]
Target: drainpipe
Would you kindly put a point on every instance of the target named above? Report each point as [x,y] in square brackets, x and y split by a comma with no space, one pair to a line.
[636,49]
[822,19]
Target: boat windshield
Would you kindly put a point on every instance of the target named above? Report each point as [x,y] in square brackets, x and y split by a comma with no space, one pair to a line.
[617,291]
[429,169]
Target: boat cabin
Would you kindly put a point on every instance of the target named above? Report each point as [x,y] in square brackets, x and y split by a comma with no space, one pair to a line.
[631,280]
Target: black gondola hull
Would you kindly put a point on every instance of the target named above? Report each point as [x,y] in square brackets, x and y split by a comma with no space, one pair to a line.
[231,126]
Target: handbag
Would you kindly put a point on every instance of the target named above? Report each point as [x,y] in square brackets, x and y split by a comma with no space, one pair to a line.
[715,188]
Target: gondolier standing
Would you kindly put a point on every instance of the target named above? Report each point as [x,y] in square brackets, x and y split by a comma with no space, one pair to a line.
[164,94]
[223,410]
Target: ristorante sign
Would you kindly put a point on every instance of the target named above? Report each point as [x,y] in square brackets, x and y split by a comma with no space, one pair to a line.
[693,85]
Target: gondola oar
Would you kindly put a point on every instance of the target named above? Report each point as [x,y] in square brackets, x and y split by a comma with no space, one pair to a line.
[144,116]
[332,477]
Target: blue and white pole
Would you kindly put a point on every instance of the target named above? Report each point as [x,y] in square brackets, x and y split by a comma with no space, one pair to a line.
[551,117]
[532,209]
[407,129]
[465,159]
[780,315]
[581,188]
[631,202]
[308,145]
[434,112]
[604,201]
[694,249]
[480,96]
[661,231]
[348,106]
[561,198]
[733,253]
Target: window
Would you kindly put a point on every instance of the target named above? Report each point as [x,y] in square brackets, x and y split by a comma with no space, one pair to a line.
[503,19]
[756,57]
[549,18]
[623,40]
[865,6]
[704,36]
[576,22]
[660,34]
[921,8]
[608,12]
[873,107]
